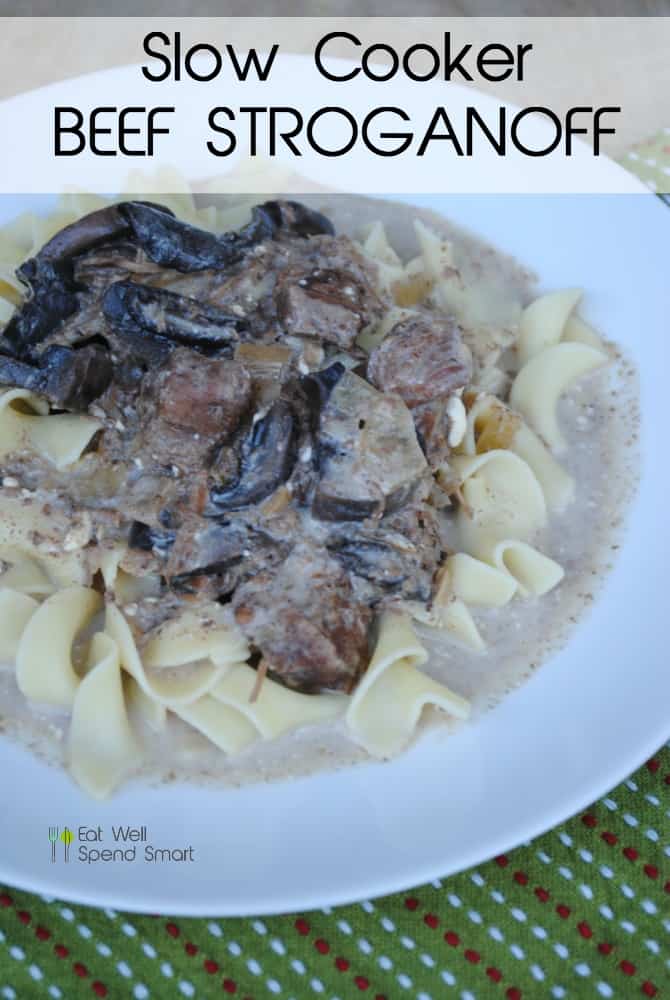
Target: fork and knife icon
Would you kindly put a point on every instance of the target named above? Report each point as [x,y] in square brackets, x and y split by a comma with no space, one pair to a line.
[55,835]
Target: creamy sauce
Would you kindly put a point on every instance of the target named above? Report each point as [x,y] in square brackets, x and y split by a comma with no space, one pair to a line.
[600,420]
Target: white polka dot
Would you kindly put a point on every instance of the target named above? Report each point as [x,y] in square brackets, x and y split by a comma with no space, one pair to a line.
[259,927]
[606,912]
[188,989]
[630,820]
[565,838]
[166,969]
[611,804]
[8,993]
[2,935]
[428,960]
[234,948]
[653,946]
[582,969]
[149,950]
[496,934]
[423,996]
[586,855]
[278,946]
[367,906]
[387,924]
[497,897]
[344,926]
[253,967]
[565,872]
[140,992]
[17,953]
[454,899]
[518,914]
[467,995]
[124,969]
[327,910]
[517,951]
[652,835]
[110,913]
[35,972]
[558,992]
[385,962]
[627,891]
[447,977]
[273,986]
[627,926]
[297,965]
[215,930]
[606,872]
[475,917]
[632,785]
[544,857]
[407,942]
[537,973]
[539,933]
[477,879]
[605,990]
[66,913]
[103,949]
[648,906]
[55,992]
[404,981]
[653,799]
[561,950]
[364,946]
[316,985]
[85,931]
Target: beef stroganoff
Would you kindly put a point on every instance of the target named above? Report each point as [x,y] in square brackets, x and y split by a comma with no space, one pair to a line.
[253,471]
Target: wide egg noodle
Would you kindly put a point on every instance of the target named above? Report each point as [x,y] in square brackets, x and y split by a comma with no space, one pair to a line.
[387,704]
[16,610]
[25,423]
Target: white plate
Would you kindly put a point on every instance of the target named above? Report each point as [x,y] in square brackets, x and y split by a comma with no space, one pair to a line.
[575,729]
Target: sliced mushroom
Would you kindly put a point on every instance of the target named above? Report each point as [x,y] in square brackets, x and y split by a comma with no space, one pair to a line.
[51,302]
[268,454]
[69,379]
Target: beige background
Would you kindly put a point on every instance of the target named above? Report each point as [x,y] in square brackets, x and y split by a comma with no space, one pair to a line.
[577,60]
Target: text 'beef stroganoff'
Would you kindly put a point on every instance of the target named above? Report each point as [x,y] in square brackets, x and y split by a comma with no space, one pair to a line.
[237,467]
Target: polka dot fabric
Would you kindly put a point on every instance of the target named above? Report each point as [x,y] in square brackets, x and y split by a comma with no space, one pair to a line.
[582,912]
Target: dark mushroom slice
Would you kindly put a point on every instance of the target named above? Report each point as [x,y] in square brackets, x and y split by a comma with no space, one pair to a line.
[422,358]
[306,621]
[69,379]
[369,458]
[130,306]
[51,302]
[96,227]
[296,219]
[387,561]
[267,457]
[147,539]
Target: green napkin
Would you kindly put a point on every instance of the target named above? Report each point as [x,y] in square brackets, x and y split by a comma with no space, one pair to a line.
[583,911]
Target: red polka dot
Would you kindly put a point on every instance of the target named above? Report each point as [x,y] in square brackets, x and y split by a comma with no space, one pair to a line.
[380,996]
[99,988]
[362,982]
[80,969]
[5,899]
[502,860]
[472,956]
[61,950]
[42,933]
[432,920]
[209,965]
[605,948]
[452,938]
[23,916]
[521,878]
[322,946]
[301,926]
[653,765]
[190,948]
[542,894]
[627,968]
[342,964]
[411,903]
[630,853]
[609,838]
[651,871]
[494,974]
[584,929]
[230,986]
[172,930]
[667,886]
[563,911]
[648,988]
[513,993]
[588,819]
